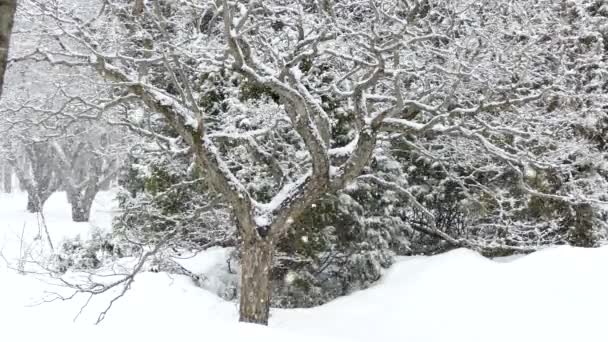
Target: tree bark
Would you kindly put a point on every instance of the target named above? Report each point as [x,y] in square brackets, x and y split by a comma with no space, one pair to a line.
[580,225]
[138,7]
[80,214]
[7,14]
[81,206]
[32,203]
[256,267]
[81,209]
[7,178]
[35,203]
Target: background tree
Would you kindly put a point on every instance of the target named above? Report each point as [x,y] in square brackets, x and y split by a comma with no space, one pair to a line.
[7,13]
[7,177]
[36,174]
[87,162]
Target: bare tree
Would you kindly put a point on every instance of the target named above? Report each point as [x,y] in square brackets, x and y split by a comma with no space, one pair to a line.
[37,175]
[85,168]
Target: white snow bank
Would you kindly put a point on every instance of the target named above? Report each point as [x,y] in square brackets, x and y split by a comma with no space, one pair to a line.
[15,219]
[555,295]
[216,270]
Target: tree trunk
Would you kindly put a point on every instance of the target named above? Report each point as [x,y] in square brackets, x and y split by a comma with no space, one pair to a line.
[138,7]
[7,14]
[32,203]
[7,178]
[256,267]
[80,213]
[580,224]
[35,203]
[21,174]
[81,208]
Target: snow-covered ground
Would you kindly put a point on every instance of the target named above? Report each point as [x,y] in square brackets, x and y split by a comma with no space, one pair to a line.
[559,294]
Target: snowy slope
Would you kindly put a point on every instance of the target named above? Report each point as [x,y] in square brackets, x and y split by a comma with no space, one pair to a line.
[555,295]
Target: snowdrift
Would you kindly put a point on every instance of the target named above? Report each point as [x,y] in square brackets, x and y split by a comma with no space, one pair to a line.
[558,294]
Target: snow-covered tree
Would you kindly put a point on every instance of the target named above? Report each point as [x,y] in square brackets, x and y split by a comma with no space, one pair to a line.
[255,91]
[34,172]
[86,163]
[49,117]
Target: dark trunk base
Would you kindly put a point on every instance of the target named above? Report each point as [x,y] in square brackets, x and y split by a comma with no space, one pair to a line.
[36,203]
[33,205]
[256,266]
[80,214]
[81,206]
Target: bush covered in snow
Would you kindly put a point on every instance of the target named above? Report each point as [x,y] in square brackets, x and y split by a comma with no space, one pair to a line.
[87,254]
